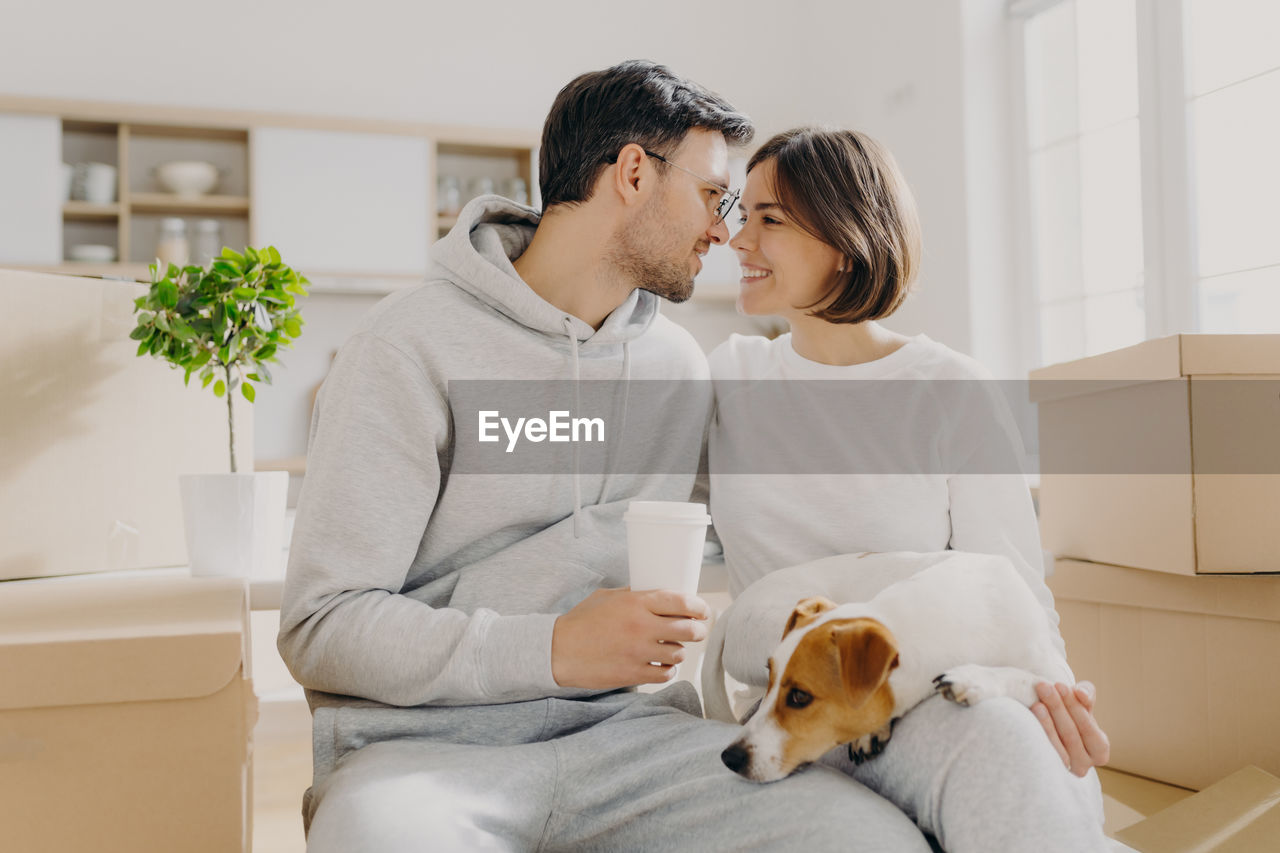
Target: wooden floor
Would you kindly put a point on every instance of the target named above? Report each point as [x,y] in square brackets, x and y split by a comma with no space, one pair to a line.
[281,772]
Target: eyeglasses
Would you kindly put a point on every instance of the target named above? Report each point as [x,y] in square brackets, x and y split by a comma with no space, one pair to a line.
[726,201]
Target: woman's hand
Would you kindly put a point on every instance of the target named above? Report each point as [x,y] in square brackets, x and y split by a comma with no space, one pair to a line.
[1067,718]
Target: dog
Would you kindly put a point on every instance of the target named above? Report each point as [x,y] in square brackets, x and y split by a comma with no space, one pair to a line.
[963,625]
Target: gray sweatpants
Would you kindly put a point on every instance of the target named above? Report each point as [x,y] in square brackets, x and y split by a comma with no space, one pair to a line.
[640,772]
[621,772]
[983,779]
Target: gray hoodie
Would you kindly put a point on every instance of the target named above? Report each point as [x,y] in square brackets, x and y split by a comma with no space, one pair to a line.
[408,585]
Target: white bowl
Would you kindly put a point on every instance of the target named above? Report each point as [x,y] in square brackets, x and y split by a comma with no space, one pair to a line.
[93,252]
[187,177]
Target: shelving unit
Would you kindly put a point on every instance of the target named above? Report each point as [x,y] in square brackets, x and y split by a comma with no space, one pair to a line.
[136,138]
[134,150]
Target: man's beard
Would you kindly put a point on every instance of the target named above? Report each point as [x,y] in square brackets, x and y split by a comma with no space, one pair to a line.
[641,255]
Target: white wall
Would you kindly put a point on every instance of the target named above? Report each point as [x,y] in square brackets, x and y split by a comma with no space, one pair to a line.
[900,70]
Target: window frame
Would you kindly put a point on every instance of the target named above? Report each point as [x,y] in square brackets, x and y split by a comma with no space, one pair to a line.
[1165,158]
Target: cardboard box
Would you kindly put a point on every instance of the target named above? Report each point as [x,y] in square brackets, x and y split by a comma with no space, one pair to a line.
[95,437]
[1240,814]
[1192,422]
[126,713]
[1187,668]
[1129,799]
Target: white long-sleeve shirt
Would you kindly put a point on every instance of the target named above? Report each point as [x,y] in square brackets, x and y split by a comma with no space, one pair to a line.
[802,470]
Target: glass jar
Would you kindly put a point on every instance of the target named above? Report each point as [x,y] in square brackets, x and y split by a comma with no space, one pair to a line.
[516,190]
[171,246]
[481,186]
[448,196]
[207,243]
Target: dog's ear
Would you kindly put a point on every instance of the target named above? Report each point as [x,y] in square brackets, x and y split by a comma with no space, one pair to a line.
[806,611]
[868,653]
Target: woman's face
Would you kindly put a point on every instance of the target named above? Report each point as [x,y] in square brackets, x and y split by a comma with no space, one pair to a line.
[784,269]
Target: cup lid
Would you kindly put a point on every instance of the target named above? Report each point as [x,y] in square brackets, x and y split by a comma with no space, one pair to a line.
[668,511]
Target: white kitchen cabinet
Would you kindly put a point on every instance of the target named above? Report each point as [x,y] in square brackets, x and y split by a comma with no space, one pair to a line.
[30,189]
[341,202]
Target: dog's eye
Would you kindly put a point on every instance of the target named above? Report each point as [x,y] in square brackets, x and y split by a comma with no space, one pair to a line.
[797,698]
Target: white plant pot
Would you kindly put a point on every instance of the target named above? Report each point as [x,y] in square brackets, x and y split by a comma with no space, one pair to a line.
[234,522]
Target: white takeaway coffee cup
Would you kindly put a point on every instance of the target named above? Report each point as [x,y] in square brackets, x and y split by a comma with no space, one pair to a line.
[664,544]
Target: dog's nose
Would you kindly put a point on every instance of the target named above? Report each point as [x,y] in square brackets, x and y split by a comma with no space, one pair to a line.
[735,757]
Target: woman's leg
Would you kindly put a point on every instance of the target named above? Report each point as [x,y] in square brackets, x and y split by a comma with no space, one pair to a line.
[983,778]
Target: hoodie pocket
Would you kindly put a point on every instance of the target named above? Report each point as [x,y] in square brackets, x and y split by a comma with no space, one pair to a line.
[513,586]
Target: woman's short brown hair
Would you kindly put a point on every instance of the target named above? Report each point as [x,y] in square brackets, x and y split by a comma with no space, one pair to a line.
[844,188]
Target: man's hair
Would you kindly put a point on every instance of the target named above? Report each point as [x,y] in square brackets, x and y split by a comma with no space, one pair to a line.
[638,101]
[844,188]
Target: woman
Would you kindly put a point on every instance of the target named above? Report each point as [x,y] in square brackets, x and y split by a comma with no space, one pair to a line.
[829,241]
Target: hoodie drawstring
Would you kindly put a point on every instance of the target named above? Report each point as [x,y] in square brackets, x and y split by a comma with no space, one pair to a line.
[577,407]
[609,475]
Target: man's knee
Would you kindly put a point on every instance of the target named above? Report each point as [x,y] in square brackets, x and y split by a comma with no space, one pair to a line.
[380,799]
[377,814]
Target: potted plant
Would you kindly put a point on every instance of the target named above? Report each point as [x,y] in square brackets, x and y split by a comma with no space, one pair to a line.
[224,323]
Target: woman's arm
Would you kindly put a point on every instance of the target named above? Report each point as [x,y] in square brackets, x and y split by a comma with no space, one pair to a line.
[993,514]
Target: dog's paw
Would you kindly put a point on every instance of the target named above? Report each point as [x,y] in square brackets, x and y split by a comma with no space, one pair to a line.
[870,745]
[966,684]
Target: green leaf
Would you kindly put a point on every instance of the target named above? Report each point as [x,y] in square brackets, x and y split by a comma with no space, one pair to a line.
[182,331]
[231,254]
[248,391]
[163,323]
[173,272]
[204,383]
[167,292]
[251,255]
[229,270]
[139,333]
[273,254]
[142,348]
[247,293]
[293,327]
[219,388]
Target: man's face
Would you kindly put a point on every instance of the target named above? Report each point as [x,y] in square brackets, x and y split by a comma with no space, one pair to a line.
[660,249]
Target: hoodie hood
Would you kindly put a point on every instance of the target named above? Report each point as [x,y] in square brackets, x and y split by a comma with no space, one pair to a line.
[476,256]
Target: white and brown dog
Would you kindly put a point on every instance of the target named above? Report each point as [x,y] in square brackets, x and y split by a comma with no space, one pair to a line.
[965,625]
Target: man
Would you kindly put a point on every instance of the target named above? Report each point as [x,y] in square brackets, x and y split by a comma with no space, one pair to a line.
[466,638]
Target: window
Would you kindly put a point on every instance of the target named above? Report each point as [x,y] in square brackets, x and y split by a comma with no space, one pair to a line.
[1152,146]
[1233,107]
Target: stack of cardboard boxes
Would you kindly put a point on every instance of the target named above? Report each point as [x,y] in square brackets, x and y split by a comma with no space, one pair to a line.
[126,700]
[1160,499]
